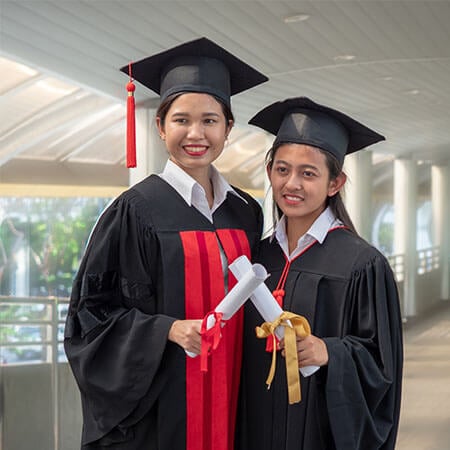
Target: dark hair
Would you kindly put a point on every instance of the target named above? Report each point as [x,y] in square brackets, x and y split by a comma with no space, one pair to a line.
[335,202]
[167,103]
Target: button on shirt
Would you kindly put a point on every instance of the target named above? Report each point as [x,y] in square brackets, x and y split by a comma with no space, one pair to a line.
[193,193]
[317,232]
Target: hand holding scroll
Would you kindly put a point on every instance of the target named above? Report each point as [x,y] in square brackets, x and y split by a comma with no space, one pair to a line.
[252,277]
[266,305]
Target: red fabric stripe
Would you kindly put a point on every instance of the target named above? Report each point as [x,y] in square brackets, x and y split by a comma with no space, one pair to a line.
[193,310]
[235,244]
[211,397]
[206,419]
[199,414]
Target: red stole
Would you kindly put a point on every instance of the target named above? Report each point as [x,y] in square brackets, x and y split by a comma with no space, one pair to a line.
[211,397]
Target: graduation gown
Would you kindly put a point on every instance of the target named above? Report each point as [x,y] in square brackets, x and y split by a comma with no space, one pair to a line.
[153,259]
[346,290]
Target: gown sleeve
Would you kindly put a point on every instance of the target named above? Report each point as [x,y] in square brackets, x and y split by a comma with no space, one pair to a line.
[364,372]
[114,338]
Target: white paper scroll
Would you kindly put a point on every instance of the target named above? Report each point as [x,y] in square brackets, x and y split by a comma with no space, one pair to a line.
[265,303]
[252,277]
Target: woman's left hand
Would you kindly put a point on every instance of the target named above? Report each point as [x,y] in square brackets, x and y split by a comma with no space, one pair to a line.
[311,351]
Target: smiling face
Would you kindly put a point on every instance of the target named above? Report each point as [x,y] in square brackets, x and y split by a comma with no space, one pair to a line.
[301,183]
[195,130]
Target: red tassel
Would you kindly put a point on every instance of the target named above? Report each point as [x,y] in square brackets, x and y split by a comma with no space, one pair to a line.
[131,124]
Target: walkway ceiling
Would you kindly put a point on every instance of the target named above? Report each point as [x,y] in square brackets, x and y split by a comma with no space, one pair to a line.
[62,116]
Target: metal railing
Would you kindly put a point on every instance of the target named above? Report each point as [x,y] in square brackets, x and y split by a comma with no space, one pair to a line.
[428,259]
[32,332]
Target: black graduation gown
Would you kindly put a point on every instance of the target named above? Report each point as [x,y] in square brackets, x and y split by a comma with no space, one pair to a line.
[129,289]
[346,290]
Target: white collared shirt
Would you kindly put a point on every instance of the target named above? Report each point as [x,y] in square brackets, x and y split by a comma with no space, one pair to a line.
[193,193]
[317,232]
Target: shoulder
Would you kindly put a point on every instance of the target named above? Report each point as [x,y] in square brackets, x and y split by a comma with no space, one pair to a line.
[250,201]
[137,203]
[351,251]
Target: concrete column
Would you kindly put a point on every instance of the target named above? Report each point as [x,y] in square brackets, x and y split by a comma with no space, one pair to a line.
[151,153]
[358,191]
[405,227]
[440,194]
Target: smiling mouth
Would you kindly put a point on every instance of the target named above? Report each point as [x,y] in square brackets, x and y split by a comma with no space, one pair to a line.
[292,199]
[195,150]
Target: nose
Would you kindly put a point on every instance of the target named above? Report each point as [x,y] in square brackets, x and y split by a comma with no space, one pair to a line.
[196,131]
[293,183]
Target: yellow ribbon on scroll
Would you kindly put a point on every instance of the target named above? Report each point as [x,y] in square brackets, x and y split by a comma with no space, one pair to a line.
[297,326]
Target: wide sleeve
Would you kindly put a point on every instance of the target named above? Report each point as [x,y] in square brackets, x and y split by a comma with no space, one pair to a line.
[364,373]
[114,338]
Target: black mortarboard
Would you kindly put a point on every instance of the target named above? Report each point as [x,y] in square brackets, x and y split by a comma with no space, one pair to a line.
[195,66]
[301,121]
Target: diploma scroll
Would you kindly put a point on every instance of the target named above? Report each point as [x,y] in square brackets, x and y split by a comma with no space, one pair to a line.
[265,303]
[251,278]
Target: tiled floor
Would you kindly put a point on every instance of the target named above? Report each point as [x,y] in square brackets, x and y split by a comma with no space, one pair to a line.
[425,415]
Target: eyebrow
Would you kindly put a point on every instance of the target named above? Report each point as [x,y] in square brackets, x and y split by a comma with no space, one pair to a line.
[302,166]
[185,114]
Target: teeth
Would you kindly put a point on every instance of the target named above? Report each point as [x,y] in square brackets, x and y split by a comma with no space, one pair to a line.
[292,198]
[196,149]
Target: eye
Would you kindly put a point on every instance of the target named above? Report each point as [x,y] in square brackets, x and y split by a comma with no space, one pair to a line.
[180,120]
[309,173]
[210,121]
[281,170]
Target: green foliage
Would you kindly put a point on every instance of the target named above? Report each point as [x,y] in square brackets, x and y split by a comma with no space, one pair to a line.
[386,237]
[45,237]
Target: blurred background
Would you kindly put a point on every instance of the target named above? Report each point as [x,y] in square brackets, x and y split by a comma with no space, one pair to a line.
[62,159]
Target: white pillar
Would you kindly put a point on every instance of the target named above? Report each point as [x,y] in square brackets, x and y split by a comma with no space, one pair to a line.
[405,227]
[151,153]
[358,191]
[440,195]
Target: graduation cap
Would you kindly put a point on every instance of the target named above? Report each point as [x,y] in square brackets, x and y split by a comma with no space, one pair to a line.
[301,121]
[196,66]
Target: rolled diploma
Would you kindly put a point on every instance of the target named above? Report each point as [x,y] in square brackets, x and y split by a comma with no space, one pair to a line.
[251,278]
[265,303]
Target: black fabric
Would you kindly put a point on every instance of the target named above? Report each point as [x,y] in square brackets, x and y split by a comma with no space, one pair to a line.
[196,66]
[127,293]
[346,290]
[300,120]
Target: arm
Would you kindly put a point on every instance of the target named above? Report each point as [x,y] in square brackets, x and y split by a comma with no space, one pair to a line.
[363,375]
[115,339]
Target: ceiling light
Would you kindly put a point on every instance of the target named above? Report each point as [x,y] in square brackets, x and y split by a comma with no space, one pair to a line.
[413,92]
[296,18]
[344,58]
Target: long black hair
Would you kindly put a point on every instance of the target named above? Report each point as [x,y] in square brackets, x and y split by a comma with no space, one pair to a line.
[335,202]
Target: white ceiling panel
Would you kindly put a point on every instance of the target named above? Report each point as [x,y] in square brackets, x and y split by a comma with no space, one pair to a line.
[385,62]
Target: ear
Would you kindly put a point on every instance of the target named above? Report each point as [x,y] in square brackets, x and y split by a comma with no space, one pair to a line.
[229,127]
[336,184]
[269,172]
[160,126]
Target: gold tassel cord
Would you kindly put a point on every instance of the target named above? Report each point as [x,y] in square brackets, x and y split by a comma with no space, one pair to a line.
[294,325]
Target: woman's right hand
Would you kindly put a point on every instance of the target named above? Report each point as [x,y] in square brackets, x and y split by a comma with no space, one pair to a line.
[186,333]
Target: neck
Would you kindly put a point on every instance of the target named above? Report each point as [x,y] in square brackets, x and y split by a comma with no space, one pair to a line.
[296,227]
[294,231]
[202,177]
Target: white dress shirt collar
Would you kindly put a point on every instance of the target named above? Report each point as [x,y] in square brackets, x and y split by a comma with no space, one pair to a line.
[193,193]
[317,232]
